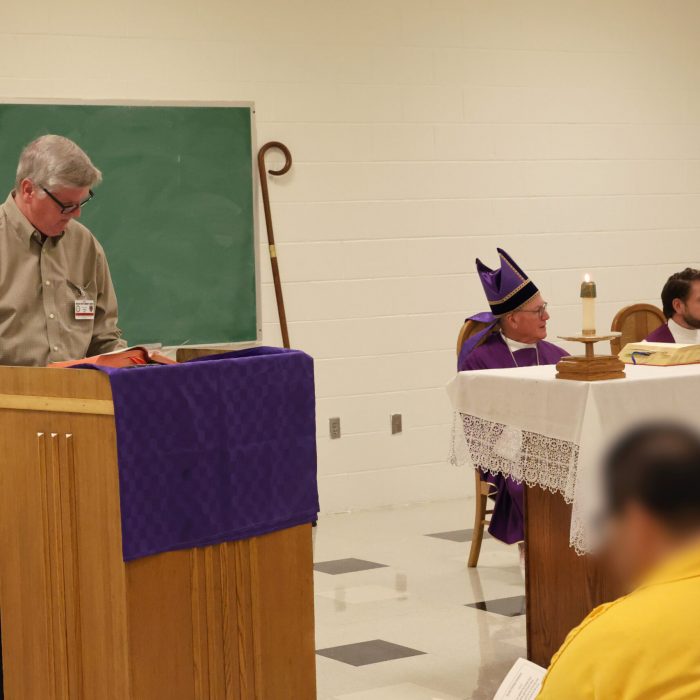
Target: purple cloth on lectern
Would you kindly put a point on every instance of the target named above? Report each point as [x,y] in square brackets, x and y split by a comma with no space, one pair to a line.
[507,521]
[217,449]
[661,335]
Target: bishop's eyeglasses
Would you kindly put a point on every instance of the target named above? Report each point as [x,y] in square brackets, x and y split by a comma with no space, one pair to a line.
[540,310]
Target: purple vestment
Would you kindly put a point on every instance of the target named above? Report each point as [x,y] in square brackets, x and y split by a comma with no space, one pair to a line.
[661,335]
[507,521]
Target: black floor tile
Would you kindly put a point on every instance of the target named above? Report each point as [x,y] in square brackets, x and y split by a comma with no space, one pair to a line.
[346,566]
[510,607]
[457,535]
[365,653]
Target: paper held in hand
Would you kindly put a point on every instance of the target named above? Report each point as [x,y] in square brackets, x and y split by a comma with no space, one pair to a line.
[660,354]
[523,681]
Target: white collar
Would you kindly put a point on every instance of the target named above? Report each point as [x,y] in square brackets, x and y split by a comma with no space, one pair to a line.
[683,335]
[515,345]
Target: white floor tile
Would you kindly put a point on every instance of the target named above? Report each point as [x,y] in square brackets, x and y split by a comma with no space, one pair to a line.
[362,594]
[402,691]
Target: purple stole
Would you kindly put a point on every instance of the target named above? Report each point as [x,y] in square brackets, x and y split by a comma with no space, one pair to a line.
[661,335]
[493,353]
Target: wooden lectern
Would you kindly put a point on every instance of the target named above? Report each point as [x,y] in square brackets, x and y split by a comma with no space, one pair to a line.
[227,622]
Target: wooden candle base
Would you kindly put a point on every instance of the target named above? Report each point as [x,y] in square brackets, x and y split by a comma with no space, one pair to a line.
[590,369]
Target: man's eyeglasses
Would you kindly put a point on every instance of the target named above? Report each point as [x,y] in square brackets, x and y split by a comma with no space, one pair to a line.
[69,208]
[540,310]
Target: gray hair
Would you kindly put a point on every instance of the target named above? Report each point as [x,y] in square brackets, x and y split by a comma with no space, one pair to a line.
[55,161]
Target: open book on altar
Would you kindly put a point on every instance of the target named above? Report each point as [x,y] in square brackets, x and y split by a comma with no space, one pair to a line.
[660,354]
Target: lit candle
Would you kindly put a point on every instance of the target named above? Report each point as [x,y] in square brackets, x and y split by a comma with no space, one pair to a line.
[588,294]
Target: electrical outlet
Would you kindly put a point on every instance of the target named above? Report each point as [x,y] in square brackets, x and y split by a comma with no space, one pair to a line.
[396,426]
[334,426]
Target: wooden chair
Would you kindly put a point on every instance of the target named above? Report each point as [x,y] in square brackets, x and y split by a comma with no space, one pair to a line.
[483,489]
[468,329]
[635,323]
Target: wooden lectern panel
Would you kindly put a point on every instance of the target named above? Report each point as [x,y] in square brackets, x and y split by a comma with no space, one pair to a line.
[249,619]
[228,622]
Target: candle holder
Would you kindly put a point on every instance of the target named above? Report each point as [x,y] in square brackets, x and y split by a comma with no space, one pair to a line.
[590,367]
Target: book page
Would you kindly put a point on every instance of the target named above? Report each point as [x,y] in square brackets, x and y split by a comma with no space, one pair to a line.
[523,681]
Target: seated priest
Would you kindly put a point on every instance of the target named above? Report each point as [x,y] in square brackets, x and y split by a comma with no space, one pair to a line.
[645,644]
[681,301]
[514,336]
[57,301]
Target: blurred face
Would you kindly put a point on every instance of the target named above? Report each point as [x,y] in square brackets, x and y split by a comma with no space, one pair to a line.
[43,212]
[636,544]
[529,323]
[688,311]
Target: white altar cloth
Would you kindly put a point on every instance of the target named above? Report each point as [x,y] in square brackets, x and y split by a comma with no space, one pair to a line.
[524,423]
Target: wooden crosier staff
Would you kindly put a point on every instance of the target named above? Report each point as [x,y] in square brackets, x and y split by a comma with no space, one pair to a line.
[268,224]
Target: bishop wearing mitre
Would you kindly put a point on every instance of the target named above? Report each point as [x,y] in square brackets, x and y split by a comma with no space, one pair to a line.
[514,336]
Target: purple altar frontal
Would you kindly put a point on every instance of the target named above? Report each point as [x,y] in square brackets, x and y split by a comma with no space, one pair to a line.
[216,449]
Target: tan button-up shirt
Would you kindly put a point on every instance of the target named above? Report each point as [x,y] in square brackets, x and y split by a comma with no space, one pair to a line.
[40,281]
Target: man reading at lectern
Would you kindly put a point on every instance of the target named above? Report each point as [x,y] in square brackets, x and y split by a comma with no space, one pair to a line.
[681,301]
[513,337]
[57,301]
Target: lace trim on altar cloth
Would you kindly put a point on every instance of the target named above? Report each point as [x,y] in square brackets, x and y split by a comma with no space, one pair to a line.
[524,456]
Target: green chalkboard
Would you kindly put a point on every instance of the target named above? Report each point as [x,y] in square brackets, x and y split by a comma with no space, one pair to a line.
[175,211]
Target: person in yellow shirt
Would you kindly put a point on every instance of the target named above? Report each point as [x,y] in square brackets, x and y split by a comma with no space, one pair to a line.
[645,645]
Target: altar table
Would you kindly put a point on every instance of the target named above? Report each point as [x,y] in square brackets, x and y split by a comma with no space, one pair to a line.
[551,434]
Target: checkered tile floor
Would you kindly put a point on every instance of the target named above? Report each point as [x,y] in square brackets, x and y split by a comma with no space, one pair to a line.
[400,617]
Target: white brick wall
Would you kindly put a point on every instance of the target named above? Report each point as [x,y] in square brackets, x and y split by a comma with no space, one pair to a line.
[425,133]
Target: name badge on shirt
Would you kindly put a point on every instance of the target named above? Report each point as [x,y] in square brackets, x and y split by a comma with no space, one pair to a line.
[84,309]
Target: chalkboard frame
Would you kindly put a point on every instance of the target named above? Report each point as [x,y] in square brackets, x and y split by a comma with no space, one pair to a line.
[249,104]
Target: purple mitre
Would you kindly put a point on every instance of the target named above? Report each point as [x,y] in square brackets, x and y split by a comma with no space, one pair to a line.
[506,288]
